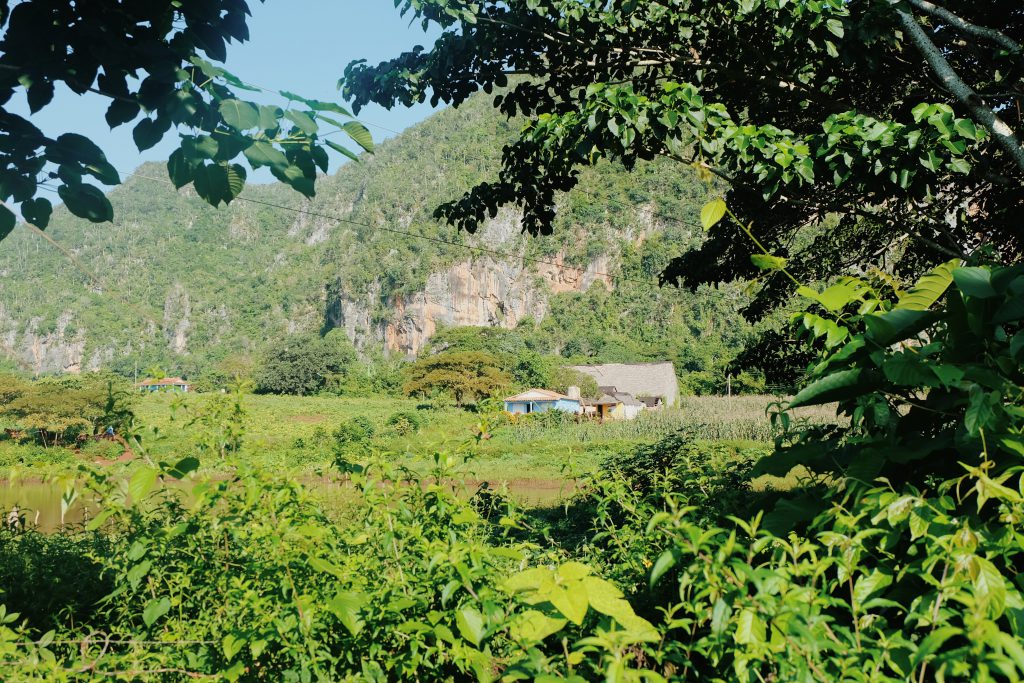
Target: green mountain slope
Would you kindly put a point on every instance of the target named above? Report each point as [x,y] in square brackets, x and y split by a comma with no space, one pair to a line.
[182,285]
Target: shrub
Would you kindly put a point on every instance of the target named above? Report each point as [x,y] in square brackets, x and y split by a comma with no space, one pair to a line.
[404,422]
[353,436]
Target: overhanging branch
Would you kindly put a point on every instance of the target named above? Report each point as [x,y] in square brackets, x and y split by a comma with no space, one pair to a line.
[965,26]
[981,112]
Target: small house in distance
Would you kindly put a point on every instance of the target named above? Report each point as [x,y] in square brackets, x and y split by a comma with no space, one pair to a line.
[654,382]
[605,407]
[541,400]
[165,384]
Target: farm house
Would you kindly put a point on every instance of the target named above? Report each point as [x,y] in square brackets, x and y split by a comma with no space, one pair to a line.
[541,400]
[165,384]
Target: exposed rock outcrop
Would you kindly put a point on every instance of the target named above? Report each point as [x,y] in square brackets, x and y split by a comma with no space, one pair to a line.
[177,318]
[58,350]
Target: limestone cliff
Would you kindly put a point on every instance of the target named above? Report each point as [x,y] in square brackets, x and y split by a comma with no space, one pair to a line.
[483,290]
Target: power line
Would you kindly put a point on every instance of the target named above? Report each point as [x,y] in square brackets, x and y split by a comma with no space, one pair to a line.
[681,221]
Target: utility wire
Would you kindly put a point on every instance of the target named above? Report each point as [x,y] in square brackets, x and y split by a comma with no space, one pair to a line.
[681,221]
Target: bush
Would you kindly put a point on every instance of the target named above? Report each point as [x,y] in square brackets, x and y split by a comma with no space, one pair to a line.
[404,422]
[353,436]
[712,476]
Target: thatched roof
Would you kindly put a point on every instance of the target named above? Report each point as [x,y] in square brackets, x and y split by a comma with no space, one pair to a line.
[638,379]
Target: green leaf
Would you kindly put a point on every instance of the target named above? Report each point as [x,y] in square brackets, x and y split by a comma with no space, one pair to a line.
[86,201]
[1017,344]
[966,128]
[346,607]
[885,329]
[302,120]
[179,169]
[239,115]
[183,467]
[930,288]
[1011,311]
[316,105]
[470,624]
[147,133]
[294,176]
[990,587]
[949,375]
[932,642]
[154,610]
[534,626]
[36,211]
[236,180]
[262,153]
[665,561]
[231,645]
[219,183]
[76,147]
[981,409]
[974,281]
[571,602]
[338,148]
[750,629]
[270,117]
[141,483]
[712,213]
[869,584]
[909,370]
[720,615]
[768,261]
[360,134]
[7,221]
[138,572]
[97,521]
[835,387]
[836,297]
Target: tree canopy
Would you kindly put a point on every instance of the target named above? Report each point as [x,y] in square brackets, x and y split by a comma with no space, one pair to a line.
[900,117]
[155,63]
[466,376]
[303,364]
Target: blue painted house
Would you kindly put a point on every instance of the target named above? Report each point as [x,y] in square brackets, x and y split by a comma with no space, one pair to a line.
[165,384]
[541,400]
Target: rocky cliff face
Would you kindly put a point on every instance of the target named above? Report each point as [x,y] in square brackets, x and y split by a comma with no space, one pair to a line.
[60,349]
[481,291]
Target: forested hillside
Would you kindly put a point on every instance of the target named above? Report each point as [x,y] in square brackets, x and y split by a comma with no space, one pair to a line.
[184,286]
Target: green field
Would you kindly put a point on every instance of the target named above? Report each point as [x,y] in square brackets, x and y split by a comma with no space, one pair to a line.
[295,435]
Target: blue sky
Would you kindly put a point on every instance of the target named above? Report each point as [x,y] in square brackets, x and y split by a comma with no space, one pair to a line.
[297,45]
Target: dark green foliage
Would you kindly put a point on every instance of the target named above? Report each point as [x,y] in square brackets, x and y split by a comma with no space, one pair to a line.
[930,390]
[147,60]
[304,364]
[865,111]
[712,476]
[53,579]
